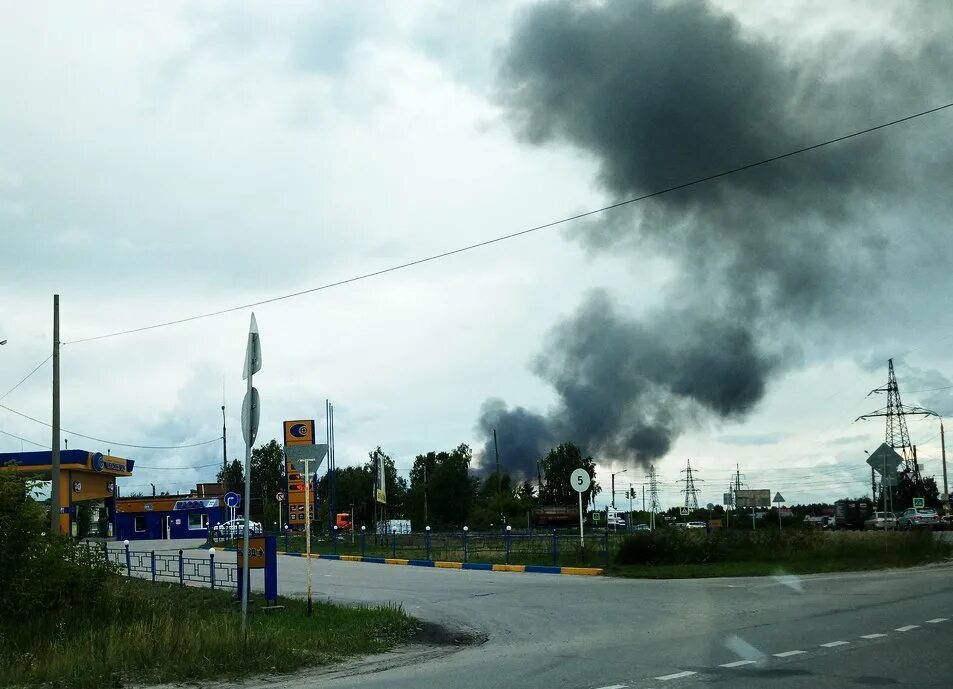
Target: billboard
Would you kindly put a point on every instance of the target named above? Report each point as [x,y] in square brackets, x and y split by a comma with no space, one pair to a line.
[381,483]
[753,498]
[299,432]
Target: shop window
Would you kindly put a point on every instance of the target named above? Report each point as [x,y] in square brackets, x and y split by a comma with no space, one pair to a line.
[198,521]
[139,523]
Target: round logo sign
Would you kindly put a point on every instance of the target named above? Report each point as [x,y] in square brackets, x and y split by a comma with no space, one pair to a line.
[77,486]
[299,430]
[232,499]
[98,461]
[580,480]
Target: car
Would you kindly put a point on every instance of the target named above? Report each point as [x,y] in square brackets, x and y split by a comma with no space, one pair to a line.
[946,522]
[696,525]
[642,527]
[881,520]
[235,527]
[919,517]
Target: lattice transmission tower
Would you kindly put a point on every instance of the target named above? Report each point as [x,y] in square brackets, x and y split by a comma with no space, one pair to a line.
[653,490]
[897,436]
[690,491]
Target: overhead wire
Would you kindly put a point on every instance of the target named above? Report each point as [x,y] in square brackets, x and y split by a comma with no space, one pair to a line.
[26,377]
[111,442]
[520,233]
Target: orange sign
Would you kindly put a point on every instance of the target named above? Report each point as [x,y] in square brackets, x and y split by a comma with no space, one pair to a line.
[299,432]
[256,552]
[714,523]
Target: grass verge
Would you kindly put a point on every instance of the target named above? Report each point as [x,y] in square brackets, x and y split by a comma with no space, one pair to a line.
[151,633]
[675,555]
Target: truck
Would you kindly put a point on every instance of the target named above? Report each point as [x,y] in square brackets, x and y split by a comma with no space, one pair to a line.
[851,514]
[343,521]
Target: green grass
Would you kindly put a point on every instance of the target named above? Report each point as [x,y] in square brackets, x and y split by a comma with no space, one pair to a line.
[148,633]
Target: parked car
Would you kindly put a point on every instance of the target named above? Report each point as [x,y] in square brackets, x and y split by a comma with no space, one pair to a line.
[919,517]
[946,522]
[642,527]
[696,525]
[881,520]
[235,527]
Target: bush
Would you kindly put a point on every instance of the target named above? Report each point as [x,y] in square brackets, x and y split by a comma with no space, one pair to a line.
[41,574]
[823,550]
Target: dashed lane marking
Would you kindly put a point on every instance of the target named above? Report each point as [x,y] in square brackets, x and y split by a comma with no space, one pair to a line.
[738,663]
[832,644]
[788,654]
[615,686]
[677,675]
[907,628]
[872,636]
[937,620]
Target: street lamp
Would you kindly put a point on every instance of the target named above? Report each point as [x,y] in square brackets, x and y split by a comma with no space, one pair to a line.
[613,485]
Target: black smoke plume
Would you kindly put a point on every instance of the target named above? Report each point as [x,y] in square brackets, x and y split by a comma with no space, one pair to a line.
[767,259]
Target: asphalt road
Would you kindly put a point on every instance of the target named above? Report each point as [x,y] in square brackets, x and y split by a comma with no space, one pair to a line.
[892,628]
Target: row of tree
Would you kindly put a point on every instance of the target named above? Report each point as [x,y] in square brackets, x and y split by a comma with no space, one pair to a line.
[443,489]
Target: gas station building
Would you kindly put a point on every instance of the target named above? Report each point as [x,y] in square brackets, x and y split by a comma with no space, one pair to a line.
[84,476]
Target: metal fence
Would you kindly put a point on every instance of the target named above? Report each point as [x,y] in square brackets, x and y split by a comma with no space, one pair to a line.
[172,567]
[545,548]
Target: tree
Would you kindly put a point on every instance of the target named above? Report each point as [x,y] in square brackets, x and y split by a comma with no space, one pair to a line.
[907,489]
[558,464]
[232,476]
[268,477]
[443,479]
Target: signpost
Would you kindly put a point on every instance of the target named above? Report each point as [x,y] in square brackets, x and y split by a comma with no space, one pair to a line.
[580,481]
[778,498]
[301,456]
[919,502]
[251,412]
[279,496]
[232,501]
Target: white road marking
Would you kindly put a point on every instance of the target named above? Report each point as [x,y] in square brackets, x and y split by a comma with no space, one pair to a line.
[677,675]
[738,663]
[615,686]
[937,620]
[872,636]
[788,654]
[831,644]
[907,628]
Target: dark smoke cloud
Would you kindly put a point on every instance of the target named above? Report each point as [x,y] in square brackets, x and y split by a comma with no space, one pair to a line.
[663,92]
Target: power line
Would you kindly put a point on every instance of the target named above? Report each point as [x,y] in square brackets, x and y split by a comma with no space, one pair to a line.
[112,442]
[23,380]
[200,466]
[26,440]
[520,233]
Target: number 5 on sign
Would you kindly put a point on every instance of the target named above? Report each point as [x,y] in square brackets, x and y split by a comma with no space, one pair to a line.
[580,481]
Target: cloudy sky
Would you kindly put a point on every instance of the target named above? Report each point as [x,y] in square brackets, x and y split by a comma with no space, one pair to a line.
[163,160]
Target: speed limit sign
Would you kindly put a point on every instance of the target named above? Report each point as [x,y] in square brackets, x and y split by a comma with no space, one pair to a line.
[279,496]
[579,480]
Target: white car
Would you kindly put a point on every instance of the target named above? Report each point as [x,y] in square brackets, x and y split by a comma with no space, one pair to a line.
[235,527]
[696,525]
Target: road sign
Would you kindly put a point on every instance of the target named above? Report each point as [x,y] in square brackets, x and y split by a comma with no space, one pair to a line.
[252,351]
[683,510]
[710,506]
[251,413]
[919,502]
[580,480]
[727,499]
[885,460]
[778,498]
[233,499]
[279,496]
[296,454]
[714,523]
[597,516]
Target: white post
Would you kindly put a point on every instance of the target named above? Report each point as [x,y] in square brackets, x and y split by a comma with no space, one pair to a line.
[307,525]
[246,583]
[582,538]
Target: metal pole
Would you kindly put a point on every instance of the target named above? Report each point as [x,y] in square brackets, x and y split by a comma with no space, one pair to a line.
[628,523]
[251,415]
[499,483]
[307,525]
[582,538]
[224,450]
[55,496]
[613,492]
[946,487]
[426,517]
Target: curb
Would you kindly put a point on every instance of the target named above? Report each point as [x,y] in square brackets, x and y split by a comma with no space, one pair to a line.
[440,564]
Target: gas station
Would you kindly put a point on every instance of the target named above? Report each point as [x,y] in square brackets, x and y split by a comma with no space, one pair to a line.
[84,476]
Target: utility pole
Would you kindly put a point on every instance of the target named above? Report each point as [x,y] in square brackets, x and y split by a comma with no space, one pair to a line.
[499,488]
[55,496]
[653,495]
[426,516]
[628,522]
[946,488]
[224,449]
